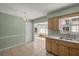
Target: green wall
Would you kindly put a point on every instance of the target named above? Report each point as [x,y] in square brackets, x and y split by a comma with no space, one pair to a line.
[11,30]
[64,11]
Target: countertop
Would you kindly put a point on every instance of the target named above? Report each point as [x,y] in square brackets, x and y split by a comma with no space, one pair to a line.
[58,38]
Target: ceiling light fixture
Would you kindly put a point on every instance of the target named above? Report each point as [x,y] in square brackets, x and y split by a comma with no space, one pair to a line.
[25,18]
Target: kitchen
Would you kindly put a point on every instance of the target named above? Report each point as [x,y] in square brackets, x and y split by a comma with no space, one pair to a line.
[66,42]
[47,29]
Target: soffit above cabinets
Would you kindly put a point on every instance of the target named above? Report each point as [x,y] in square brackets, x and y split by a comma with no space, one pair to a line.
[33,10]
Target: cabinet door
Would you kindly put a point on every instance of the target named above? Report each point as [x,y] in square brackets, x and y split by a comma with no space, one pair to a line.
[73,52]
[63,51]
[54,47]
[48,44]
[50,24]
[78,52]
[55,23]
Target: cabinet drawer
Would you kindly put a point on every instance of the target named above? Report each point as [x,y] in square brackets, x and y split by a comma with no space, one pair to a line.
[73,45]
[63,43]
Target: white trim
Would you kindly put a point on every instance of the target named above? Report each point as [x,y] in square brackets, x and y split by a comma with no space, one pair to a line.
[3,37]
[12,46]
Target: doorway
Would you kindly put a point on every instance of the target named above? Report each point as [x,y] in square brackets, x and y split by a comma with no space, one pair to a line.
[40,30]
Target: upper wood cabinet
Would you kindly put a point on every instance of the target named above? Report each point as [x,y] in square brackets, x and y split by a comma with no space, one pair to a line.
[50,25]
[53,23]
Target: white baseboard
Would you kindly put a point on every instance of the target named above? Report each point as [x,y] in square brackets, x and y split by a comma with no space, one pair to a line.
[10,36]
[12,46]
[15,45]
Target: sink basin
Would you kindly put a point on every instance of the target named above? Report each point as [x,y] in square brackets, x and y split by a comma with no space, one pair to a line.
[60,37]
[65,38]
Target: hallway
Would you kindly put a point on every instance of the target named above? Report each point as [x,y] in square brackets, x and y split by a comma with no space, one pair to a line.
[33,48]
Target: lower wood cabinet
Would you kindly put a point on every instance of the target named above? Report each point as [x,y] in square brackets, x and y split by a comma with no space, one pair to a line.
[78,52]
[48,44]
[73,52]
[54,47]
[61,48]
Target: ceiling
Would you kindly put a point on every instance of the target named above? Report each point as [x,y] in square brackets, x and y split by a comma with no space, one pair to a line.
[33,10]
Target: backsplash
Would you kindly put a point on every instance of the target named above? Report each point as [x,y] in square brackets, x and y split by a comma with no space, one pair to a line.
[54,33]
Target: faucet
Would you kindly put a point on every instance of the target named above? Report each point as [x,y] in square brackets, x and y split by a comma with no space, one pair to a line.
[74,37]
[69,37]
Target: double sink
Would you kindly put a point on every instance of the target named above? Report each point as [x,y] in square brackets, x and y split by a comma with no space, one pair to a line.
[71,39]
[65,39]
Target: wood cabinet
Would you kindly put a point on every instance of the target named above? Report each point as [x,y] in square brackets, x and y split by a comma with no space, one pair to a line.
[73,52]
[48,44]
[50,25]
[73,49]
[54,47]
[78,52]
[62,48]
[53,23]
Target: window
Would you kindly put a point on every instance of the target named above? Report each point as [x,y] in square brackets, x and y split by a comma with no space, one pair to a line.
[75,25]
[69,25]
[75,28]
